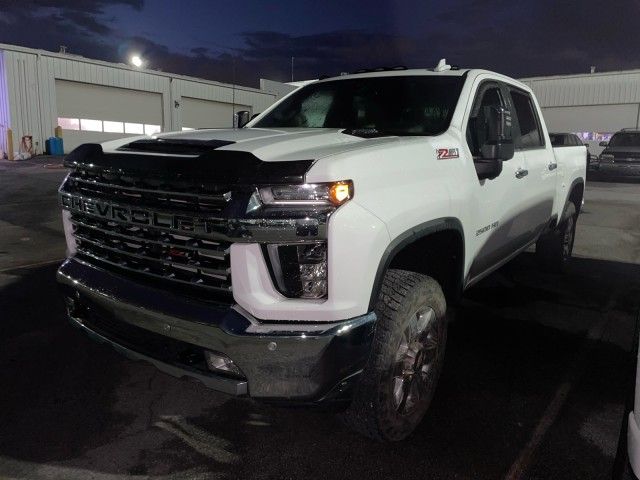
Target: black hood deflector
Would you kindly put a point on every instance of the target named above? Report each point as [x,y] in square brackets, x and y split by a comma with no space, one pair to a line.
[219,166]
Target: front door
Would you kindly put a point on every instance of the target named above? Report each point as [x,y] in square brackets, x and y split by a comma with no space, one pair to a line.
[498,227]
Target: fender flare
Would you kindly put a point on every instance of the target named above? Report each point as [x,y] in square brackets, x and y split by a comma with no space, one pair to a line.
[407,237]
[574,184]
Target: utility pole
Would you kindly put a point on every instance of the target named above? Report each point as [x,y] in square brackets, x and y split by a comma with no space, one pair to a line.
[292,68]
[233,93]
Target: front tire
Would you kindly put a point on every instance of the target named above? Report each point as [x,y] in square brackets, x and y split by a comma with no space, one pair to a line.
[406,358]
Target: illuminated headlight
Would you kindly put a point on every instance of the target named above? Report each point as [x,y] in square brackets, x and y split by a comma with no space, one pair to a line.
[607,158]
[334,193]
[299,271]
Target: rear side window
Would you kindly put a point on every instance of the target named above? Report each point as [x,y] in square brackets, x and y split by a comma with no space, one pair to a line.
[530,135]
[557,140]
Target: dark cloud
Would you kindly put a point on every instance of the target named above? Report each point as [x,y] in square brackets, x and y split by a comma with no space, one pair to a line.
[517,38]
[87,6]
[79,24]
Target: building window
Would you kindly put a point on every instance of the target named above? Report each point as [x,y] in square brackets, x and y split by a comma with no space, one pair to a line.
[134,128]
[113,127]
[89,125]
[69,123]
[595,136]
[108,126]
[151,129]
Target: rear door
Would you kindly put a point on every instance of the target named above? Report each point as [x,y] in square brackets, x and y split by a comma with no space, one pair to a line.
[539,182]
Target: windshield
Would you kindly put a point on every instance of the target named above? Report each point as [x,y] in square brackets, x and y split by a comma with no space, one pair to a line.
[625,140]
[399,105]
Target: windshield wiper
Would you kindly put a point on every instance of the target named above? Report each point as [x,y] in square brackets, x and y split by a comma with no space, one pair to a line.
[375,133]
[367,132]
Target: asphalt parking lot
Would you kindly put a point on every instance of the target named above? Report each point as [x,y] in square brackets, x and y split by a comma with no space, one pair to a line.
[535,383]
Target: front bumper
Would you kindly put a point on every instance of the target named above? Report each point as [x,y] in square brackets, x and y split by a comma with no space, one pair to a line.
[280,361]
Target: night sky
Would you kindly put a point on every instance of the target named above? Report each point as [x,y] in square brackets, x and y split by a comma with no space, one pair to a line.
[207,38]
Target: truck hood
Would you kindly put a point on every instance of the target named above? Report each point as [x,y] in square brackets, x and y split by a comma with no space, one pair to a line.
[271,145]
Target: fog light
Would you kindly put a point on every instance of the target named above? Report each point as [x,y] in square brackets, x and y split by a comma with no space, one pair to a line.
[313,277]
[300,271]
[216,362]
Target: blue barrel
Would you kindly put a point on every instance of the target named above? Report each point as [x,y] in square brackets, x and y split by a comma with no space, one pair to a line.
[49,145]
[59,146]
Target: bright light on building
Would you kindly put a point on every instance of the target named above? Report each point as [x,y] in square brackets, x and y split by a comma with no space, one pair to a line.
[136,61]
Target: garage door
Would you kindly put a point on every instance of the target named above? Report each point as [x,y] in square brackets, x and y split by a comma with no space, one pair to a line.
[596,118]
[198,113]
[94,113]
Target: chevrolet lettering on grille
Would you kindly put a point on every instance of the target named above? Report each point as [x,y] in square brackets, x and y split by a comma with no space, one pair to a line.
[137,216]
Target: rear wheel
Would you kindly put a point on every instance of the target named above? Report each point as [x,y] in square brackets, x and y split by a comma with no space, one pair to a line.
[404,365]
[554,249]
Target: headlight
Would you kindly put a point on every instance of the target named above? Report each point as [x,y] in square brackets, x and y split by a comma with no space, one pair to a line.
[299,271]
[334,193]
[607,158]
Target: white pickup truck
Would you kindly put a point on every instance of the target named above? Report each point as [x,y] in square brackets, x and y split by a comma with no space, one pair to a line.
[309,256]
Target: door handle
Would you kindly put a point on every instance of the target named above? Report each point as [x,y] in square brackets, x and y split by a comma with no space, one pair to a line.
[553,166]
[521,173]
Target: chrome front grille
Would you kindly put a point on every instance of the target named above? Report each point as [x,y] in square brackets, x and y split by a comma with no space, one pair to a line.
[153,252]
[150,192]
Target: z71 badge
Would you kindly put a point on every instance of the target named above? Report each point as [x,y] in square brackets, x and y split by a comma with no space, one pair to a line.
[447,153]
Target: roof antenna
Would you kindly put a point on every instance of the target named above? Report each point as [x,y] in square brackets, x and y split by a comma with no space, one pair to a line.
[442,66]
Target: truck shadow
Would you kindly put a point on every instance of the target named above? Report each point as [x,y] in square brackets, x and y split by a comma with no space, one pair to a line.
[69,403]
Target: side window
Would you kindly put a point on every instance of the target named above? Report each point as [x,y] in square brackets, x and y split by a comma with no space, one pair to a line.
[478,128]
[530,135]
[557,140]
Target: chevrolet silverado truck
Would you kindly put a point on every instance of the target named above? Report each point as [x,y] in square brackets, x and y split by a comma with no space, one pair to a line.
[308,256]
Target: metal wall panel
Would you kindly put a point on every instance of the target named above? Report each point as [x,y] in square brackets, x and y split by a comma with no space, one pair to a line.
[5,119]
[31,108]
[198,113]
[24,108]
[590,89]
[241,97]
[591,118]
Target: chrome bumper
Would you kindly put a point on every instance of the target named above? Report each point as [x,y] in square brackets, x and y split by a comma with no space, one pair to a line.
[299,363]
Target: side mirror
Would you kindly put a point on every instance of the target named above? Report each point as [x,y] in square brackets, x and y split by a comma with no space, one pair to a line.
[499,144]
[604,144]
[241,118]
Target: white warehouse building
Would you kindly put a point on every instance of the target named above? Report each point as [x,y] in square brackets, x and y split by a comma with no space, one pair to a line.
[593,105]
[95,101]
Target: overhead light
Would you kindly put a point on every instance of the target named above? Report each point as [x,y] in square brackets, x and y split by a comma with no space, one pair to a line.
[136,61]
